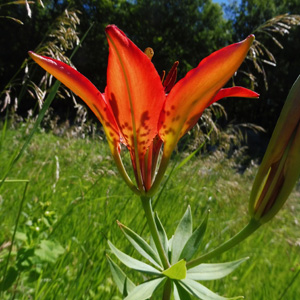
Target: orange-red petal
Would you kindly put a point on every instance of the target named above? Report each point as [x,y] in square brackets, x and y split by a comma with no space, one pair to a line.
[236,91]
[82,87]
[191,95]
[134,90]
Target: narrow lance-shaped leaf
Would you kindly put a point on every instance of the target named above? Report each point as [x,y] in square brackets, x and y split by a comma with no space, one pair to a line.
[179,292]
[182,234]
[121,280]
[141,245]
[145,290]
[162,234]
[193,243]
[133,263]
[213,271]
[200,291]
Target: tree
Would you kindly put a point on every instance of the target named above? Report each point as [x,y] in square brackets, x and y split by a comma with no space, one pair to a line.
[246,18]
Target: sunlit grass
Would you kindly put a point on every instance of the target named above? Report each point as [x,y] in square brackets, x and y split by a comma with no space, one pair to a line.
[76,180]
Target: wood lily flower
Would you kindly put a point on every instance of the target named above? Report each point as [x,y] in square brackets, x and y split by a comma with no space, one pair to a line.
[140,111]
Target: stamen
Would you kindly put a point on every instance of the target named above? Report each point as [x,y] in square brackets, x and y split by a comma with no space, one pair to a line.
[171,78]
[162,76]
[149,52]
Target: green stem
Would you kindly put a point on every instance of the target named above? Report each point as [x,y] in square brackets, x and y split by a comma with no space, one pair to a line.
[252,226]
[146,202]
[167,290]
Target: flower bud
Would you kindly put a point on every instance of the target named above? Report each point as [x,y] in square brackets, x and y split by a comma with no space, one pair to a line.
[280,168]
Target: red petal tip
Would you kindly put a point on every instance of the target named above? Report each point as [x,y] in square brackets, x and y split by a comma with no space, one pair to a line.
[113,29]
[110,26]
[251,36]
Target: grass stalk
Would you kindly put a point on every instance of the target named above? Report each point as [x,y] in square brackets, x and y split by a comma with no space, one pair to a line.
[41,115]
[15,230]
[290,284]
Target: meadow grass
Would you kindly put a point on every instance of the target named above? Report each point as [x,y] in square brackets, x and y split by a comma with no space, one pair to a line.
[75,196]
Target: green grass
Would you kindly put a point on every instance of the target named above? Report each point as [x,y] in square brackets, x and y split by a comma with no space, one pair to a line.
[76,182]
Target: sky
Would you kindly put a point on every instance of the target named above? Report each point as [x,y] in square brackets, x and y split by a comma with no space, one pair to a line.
[224,1]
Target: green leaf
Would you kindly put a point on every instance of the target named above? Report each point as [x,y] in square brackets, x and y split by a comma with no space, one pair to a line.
[193,243]
[141,245]
[179,292]
[145,290]
[162,234]
[49,251]
[200,291]
[133,263]
[126,290]
[10,278]
[213,271]
[183,232]
[124,284]
[177,271]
